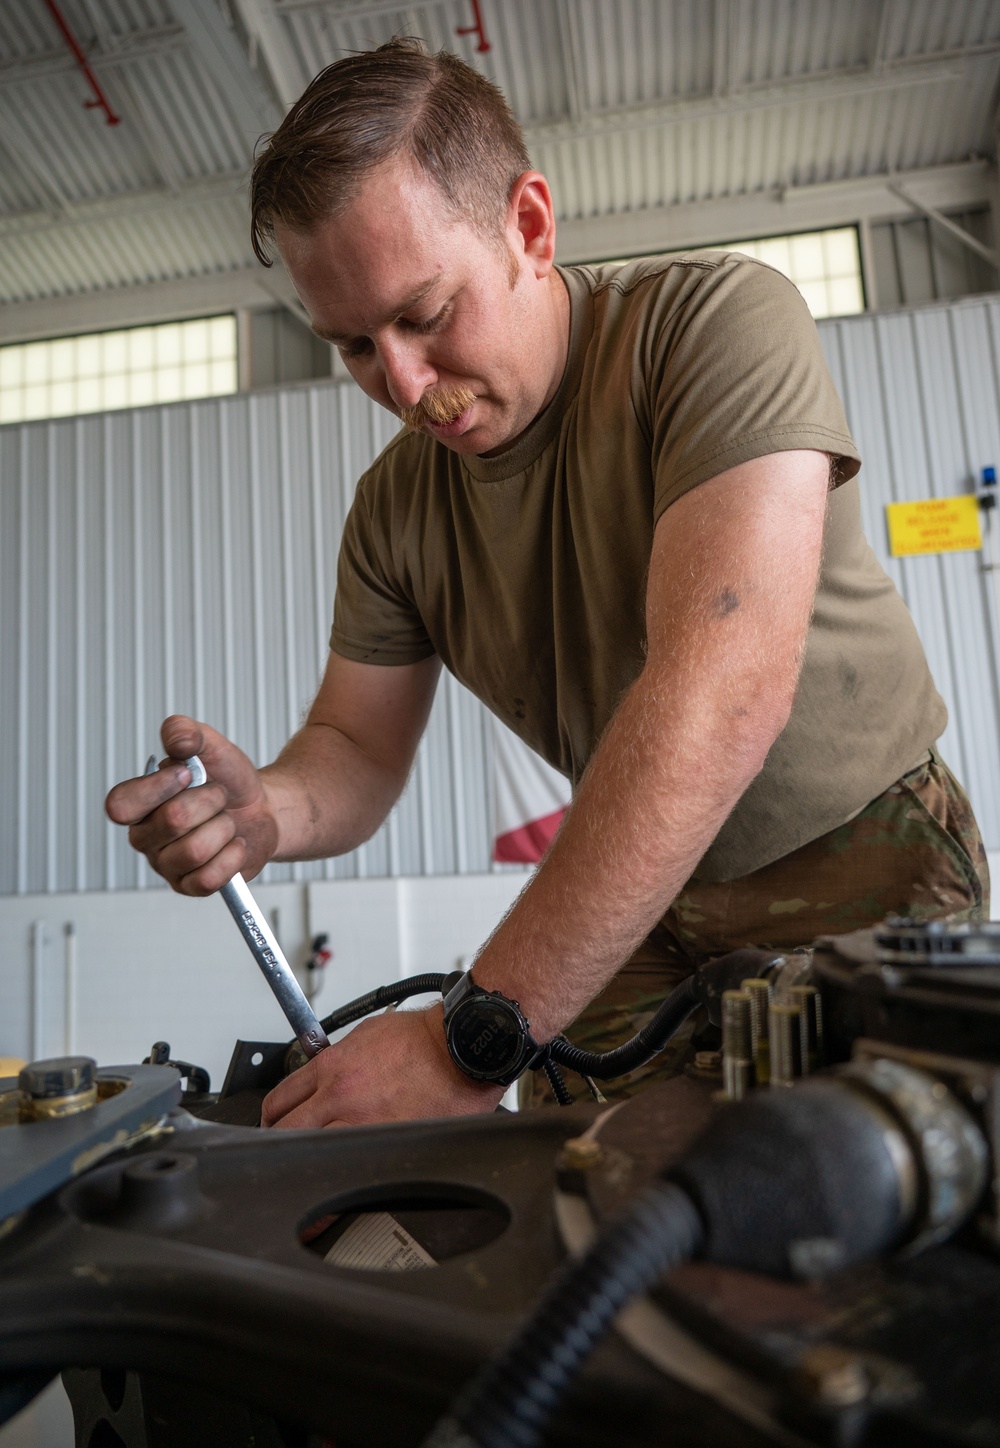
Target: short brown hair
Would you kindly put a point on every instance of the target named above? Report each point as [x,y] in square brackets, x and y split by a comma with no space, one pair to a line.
[371,107]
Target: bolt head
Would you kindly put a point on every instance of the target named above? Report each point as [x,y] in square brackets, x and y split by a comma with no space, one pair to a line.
[580,1153]
[708,1060]
[58,1076]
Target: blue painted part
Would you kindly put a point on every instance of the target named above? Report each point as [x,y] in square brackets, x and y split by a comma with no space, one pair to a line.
[38,1157]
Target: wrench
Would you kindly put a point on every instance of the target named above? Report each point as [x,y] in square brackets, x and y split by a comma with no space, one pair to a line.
[264,947]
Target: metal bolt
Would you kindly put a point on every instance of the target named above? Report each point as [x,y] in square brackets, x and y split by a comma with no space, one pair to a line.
[759,991]
[808,999]
[60,1086]
[61,1076]
[834,1376]
[737,1044]
[786,1043]
[580,1153]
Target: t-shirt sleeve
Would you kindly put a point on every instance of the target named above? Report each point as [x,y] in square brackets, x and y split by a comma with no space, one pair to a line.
[374,620]
[737,374]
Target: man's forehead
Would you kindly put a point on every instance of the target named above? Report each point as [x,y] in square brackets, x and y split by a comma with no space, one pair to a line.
[382,312]
[356,272]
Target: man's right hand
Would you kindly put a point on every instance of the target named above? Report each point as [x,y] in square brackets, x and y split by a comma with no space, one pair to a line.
[197,839]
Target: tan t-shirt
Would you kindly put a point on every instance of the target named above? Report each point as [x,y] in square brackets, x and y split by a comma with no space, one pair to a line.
[526,571]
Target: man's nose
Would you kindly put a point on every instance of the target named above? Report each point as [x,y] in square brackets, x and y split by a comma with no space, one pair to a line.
[408,373]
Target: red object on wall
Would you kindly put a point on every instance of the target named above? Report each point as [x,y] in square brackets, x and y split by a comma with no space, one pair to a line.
[477,28]
[529,799]
[100,101]
[527,844]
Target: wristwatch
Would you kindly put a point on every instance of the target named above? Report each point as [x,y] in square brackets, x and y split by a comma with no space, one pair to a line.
[488,1036]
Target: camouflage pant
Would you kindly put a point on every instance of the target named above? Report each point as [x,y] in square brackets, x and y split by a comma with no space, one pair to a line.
[915,850]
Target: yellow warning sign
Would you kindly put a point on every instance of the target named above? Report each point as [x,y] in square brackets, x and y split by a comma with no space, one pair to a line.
[934,525]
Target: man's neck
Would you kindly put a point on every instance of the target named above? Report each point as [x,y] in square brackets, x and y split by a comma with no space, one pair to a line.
[556,333]
[561,314]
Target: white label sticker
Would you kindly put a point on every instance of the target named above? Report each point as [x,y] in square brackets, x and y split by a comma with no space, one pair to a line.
[377,1243]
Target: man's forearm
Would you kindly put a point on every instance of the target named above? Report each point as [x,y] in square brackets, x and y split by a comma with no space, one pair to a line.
[336,779]
[638,826]
[327,794]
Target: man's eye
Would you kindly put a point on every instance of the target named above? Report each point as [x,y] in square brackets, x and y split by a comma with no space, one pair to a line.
[360,348]
[430,324]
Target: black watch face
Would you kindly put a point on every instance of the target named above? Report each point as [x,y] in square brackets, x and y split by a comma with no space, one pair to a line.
[486,1037]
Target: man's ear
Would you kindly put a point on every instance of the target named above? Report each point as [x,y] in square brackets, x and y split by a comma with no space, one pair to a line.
[531,222]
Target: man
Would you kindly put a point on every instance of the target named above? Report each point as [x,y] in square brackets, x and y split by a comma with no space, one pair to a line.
[612,518]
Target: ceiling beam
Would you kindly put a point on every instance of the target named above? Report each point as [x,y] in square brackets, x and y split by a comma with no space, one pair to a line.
[773,213]
[204,296]
[352,9]
[813,90]
[988,253]
[949,187]
[265,26]
[131,203]
[225,61]
[882,18]
[129,101]
[160,40]
[571,65]
[720,48]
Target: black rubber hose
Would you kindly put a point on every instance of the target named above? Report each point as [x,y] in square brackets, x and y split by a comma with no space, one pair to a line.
[672,1014]
[791,1183]
[384,995]
[511,1400]
[557,1083]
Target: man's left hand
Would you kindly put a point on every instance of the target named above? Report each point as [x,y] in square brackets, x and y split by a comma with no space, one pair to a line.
[394,1067]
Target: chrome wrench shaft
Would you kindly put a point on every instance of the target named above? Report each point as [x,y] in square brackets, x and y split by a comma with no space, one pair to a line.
[264,947]
[277,972]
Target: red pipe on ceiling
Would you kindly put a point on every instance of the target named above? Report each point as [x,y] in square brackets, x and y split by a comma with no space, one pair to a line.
[478,28]
[100,101]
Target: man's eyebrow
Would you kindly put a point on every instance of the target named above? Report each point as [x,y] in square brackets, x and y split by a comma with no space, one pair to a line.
[390,316]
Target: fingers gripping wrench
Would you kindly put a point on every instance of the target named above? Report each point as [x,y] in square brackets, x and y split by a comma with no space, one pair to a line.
[263,946]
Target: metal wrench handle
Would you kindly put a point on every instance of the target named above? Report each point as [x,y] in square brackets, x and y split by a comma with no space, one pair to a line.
[264,947]
[277,972]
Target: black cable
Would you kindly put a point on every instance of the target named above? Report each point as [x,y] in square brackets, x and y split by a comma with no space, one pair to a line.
[671,1015]
[790,1183]
[510,1401]
[600,1064]
[556,1081]
[382,996]
[704,988]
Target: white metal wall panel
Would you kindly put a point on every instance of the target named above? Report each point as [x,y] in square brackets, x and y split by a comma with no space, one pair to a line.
[183,558]
[922,393]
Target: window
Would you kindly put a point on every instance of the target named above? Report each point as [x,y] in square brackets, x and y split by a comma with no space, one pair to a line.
[107,370]
[824,265]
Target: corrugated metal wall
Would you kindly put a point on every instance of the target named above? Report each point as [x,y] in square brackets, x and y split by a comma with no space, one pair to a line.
[182,559]
[922,393]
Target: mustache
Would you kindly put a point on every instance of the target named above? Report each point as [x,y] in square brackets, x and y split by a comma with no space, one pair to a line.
[443,405]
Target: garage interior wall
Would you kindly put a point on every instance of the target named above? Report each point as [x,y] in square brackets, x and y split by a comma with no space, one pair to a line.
[913,260]
[183,558]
